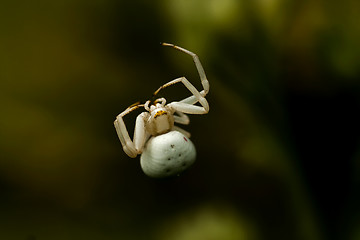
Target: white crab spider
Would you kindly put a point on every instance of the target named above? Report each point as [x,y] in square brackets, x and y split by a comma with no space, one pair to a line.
[165,149]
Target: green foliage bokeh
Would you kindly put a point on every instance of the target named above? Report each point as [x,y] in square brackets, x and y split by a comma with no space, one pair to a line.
[67,68]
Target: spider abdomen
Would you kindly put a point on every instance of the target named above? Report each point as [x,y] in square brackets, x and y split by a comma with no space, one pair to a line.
[167,155]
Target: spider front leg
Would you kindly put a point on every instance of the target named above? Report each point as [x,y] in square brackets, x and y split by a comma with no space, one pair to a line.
[199,67]
[135,147]
[205,83]
[184,132]
[192,99]
[186,107]
[181,118]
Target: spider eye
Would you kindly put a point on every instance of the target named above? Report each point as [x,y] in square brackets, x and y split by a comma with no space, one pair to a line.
[159,113]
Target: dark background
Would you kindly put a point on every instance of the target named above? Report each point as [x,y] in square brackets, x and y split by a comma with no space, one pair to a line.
[278,153]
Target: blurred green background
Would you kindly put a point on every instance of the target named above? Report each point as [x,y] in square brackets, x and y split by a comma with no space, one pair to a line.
[278,153]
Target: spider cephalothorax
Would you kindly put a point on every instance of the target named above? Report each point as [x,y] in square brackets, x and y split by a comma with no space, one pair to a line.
[165,148]
[160,119]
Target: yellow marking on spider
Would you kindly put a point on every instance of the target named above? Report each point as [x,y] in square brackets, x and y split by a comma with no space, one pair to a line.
[159,113]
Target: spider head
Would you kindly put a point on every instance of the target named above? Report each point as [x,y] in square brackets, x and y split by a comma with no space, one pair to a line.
[161,119]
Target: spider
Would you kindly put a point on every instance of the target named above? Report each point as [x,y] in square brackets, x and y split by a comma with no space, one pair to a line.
[165,149]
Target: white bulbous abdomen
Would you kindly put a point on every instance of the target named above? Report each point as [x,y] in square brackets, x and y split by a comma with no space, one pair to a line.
[167,155]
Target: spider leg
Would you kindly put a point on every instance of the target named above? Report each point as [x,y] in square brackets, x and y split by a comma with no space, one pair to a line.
[187,108]
[128,146]
[132,149]
[184,132]
[196,94]
[199,67]
[182,118]
[192,99]
[140,133]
